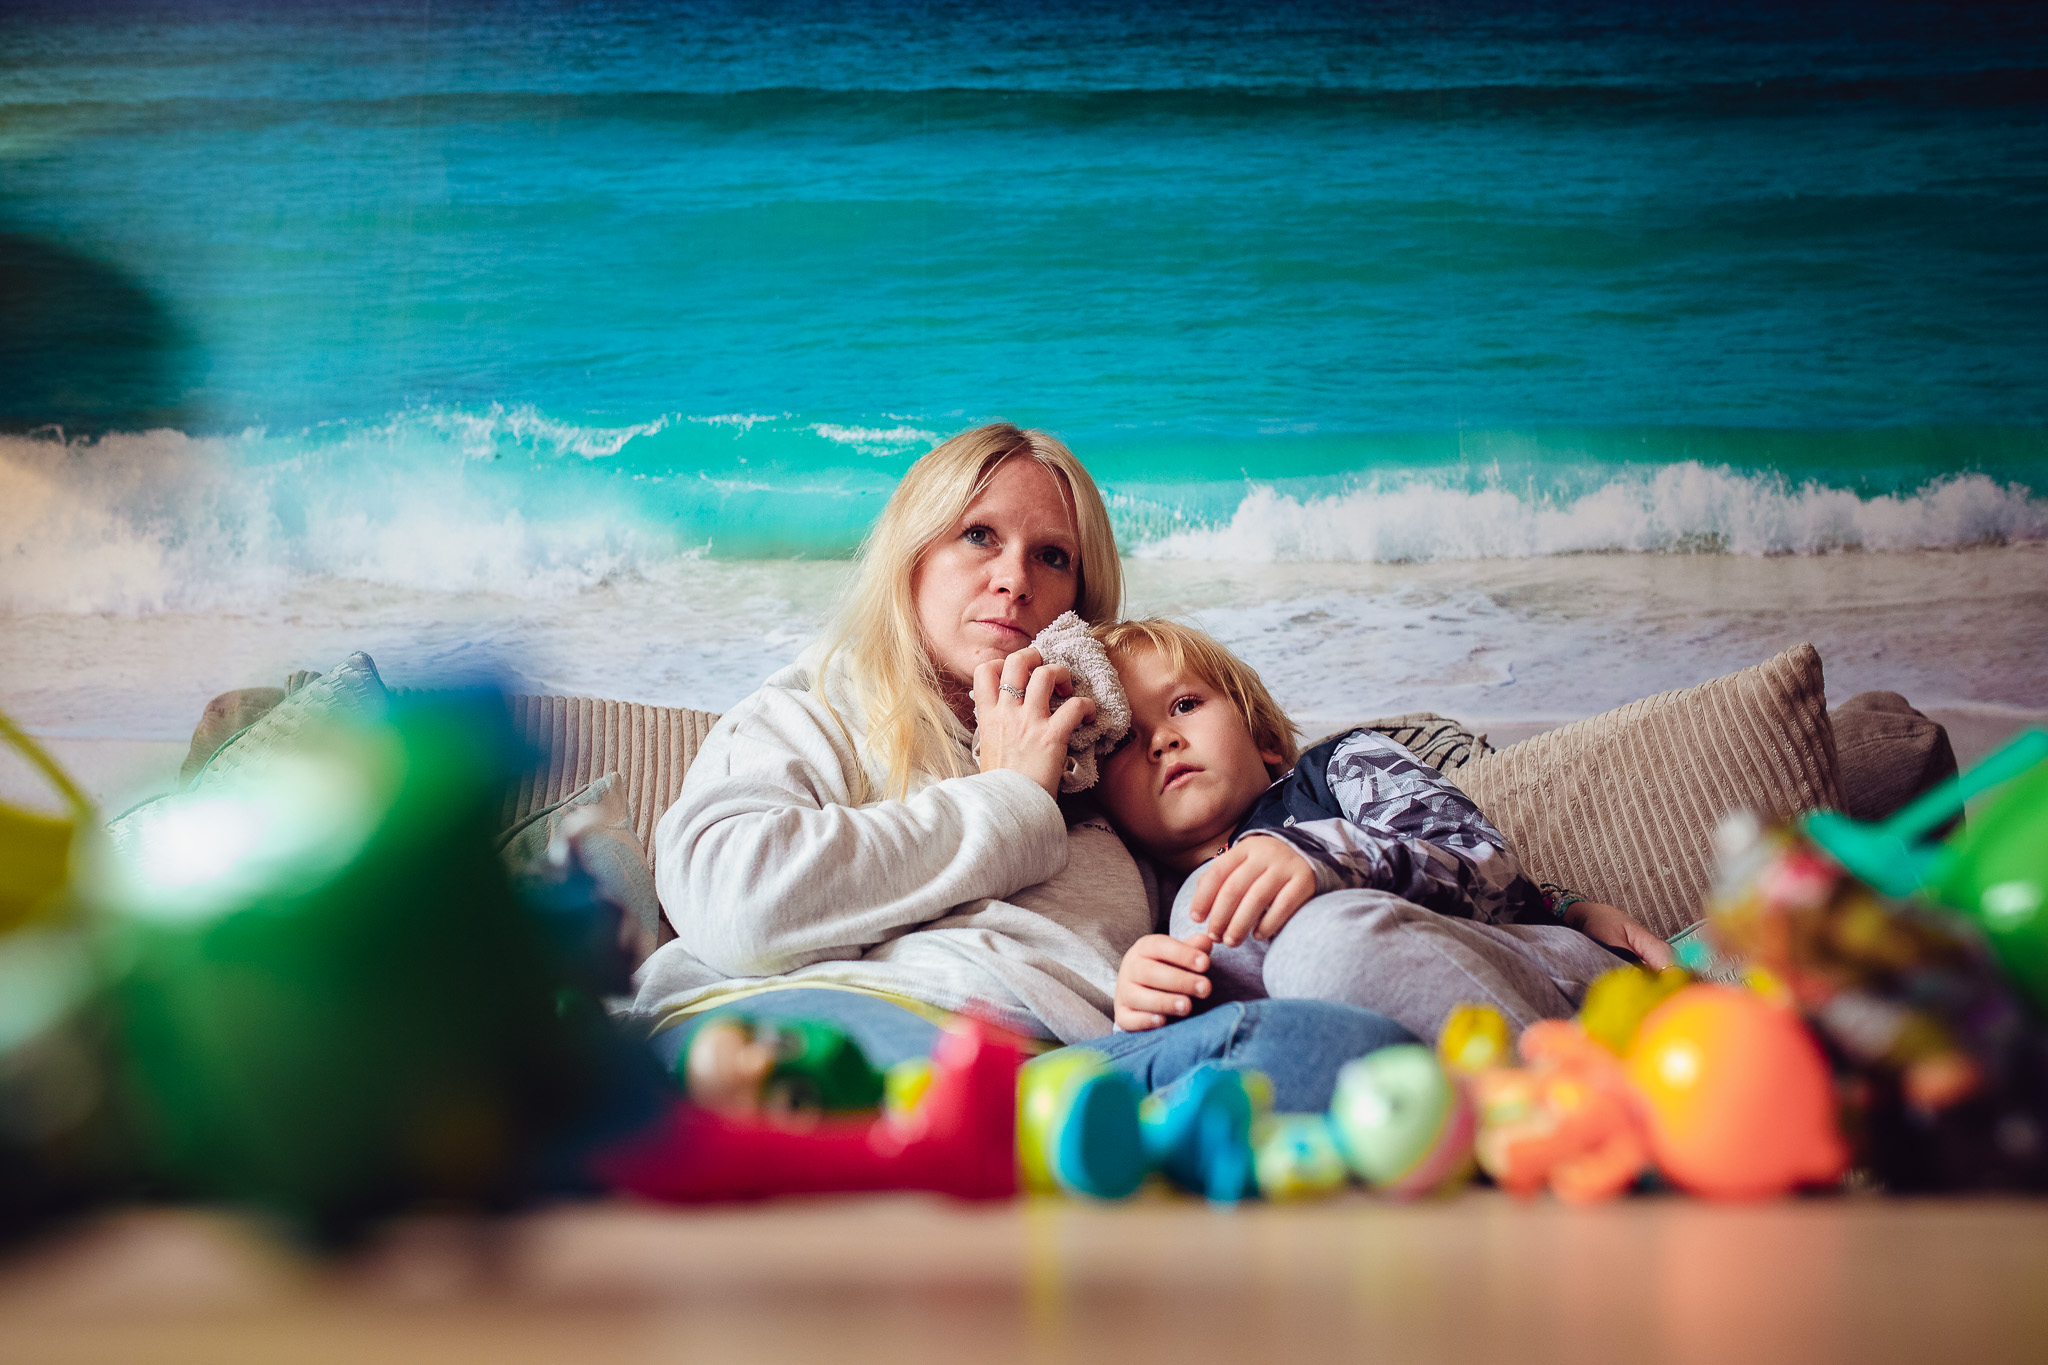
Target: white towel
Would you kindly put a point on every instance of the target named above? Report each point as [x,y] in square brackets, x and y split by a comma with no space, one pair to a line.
[1067,641]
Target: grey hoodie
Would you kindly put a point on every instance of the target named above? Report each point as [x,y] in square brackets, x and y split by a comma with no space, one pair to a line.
[971,892]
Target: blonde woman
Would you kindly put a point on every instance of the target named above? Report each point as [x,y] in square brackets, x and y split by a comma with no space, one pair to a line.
[839,851]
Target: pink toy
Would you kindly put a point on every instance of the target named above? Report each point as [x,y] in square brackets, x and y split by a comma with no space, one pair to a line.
[960,1140]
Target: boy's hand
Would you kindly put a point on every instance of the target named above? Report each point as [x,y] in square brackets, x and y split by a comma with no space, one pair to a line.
[1254,886]
[1619,929]
[1159,980]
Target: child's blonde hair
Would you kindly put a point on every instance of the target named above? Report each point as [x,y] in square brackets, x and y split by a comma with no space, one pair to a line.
[911,729]
[1188,650]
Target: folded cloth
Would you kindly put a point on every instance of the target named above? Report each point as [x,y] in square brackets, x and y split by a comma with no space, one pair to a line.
[1067,641]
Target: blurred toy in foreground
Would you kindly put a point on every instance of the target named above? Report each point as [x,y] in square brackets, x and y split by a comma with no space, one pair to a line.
[330,1001]
[790,1070]
[1405,1123]
[1995,871]
[960,1138]
[1565,1120]
[1198,1131]
[1298,1156]
[1945,1065]
[1078,1127]
[1945,1073]
[59,1147]
[1736,1096]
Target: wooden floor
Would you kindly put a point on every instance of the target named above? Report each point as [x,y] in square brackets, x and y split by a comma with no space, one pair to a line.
[1480,1278]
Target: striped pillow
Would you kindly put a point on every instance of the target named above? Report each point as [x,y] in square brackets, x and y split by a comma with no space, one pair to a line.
[1622,807]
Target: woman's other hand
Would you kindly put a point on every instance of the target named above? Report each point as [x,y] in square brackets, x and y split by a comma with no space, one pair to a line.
[1020,720]
[1618,929]
[1160,980]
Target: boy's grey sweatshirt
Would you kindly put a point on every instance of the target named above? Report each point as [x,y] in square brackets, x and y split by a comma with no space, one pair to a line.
[972,892]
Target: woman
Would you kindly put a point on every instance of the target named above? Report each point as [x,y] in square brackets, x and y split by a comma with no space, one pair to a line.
[842,848]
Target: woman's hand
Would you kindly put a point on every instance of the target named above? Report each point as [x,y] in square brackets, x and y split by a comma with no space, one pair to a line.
[1016,719]
[1619,929]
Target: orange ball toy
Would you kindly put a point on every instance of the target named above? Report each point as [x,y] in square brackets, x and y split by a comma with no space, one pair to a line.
[1737,1096]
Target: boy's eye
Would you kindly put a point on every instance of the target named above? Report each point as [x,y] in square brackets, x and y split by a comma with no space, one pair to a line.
[1182,705]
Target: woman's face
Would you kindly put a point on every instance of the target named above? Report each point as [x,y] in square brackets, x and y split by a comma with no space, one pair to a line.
[1011,564]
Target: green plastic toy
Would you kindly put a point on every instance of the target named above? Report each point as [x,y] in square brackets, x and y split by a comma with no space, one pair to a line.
[329,999]
[1995,871]
[1077,1127]
[788,1067]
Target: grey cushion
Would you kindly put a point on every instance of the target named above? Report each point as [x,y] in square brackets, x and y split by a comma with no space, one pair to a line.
[349,690]
[1886,753]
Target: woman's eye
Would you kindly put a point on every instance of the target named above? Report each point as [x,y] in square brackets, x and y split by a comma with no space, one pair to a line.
[1055,558]
[977,535]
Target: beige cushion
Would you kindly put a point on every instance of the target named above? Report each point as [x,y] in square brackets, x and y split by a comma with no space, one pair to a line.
[583,738]
[1622,807]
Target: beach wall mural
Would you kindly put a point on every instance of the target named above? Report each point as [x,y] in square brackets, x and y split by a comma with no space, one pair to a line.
[1510,361]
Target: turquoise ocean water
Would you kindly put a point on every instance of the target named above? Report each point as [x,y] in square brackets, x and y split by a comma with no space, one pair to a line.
[539,295]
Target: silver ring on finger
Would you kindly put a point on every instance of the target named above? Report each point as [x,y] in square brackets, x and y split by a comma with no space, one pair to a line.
[1016,692]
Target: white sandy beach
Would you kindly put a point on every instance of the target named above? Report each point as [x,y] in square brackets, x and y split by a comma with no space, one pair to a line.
[1510,646]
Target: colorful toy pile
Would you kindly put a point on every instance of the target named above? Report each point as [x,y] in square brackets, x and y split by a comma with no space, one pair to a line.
[319,991]
[1930,1007]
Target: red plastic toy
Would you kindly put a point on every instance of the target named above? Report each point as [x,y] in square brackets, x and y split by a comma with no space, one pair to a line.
[960,1140]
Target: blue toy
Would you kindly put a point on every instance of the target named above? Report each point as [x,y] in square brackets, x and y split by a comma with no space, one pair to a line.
[1199,1131]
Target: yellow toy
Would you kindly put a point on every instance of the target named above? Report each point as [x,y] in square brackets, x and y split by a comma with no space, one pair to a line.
[1474,1038]
[35,848]
[1618,1001]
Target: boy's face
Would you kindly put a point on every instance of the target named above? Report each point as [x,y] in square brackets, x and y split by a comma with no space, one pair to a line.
[1190,769]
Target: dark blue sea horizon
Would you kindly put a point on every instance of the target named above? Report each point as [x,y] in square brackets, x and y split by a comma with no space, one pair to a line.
[707,274]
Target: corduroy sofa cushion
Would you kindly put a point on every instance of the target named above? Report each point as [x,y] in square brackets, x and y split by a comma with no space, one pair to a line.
[1622,806]
[583,738]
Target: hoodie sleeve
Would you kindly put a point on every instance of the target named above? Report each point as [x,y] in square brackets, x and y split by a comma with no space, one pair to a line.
[765,866]
[1403,828]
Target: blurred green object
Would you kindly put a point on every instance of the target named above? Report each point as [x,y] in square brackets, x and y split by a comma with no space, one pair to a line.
[1994,870]
[328,998]
[1889,854]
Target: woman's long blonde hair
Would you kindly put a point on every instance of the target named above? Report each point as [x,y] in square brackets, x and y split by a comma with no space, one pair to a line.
[910,728]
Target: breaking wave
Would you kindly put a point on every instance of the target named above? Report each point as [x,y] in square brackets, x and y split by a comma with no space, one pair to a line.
[514,503]
[1682,508]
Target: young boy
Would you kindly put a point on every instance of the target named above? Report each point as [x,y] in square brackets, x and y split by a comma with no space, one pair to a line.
[1356,874]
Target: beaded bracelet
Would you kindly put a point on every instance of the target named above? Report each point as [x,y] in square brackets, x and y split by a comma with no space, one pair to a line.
[1558,900]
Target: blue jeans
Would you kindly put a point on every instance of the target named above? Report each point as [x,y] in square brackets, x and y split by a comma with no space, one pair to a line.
[1299,1044]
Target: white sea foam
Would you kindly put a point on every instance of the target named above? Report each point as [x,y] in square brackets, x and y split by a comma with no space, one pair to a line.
[484,434]
[1680,507]
[160,520]
[874,440]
